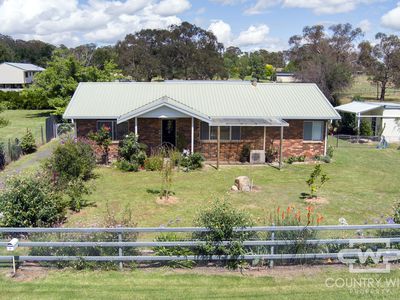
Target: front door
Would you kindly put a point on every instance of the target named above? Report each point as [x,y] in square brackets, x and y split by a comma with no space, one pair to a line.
[169,132]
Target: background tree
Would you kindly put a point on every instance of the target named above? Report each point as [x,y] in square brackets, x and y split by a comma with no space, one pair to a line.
[327,60]
[54,87]
[382,61]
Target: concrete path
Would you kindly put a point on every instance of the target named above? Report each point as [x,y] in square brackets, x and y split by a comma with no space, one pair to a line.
[27,162]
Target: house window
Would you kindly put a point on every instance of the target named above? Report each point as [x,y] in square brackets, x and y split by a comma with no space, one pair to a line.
[227,133]
[109,125]
[313,130]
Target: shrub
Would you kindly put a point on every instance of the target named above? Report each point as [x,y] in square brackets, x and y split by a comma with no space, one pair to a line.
[131,150]
[365,128]
[192,161]
[2,156]
[271,154]
[173,251]
[245,153]
[221,218]
[329,151]
[28,144]
[127,166]
[316,180]
[292,159]
[103,140]
[153,163]
[30,201]
[72,160]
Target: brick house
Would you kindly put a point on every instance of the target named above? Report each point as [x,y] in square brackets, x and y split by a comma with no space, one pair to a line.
[214,118]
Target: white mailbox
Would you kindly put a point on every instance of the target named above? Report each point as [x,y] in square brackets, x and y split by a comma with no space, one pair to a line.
[12,245]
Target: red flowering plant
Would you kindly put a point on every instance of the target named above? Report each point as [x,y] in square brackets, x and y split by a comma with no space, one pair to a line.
[297,239]
[103,139]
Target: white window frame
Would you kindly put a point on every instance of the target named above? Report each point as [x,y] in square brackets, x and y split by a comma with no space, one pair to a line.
[230,133]
[312,126]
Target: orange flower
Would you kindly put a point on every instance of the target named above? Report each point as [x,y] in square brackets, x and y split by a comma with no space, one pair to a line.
[283,215]
[278,209]
[288,210]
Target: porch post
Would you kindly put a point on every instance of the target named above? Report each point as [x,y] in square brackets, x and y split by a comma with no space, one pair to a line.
[265,134]
[192,137]
[280,148]
[326,137]
[218,145]
[136,127]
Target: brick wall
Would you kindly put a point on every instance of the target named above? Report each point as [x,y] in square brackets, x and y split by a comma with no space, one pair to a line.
[150,134]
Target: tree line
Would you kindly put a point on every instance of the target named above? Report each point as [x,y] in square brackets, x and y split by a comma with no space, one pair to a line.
[328,57]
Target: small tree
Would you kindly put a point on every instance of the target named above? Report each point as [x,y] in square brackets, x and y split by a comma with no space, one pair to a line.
[28,144]
[316,180]
[103,140]
[166,178]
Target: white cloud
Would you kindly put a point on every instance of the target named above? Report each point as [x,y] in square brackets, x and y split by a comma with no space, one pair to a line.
[317,6]
[365,25]
[253,38]
[392,18]
[222,31]
[71,22]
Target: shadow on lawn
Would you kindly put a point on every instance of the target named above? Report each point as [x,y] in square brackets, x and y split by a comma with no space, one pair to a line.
[39,115]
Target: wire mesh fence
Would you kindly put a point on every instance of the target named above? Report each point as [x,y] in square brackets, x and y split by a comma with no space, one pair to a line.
[357,141]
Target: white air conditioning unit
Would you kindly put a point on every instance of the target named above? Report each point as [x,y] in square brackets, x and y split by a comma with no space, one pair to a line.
[257,156]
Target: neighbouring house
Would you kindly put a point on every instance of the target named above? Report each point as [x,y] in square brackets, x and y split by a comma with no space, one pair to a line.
[285,77]
[215,118]
[384,117]
[16,76]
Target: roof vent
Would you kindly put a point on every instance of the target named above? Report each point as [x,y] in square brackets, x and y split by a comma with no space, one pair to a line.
[254,82]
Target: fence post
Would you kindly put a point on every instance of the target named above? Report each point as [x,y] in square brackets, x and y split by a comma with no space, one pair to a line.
[120,253]
[337,141]
[271,262]
[42,135]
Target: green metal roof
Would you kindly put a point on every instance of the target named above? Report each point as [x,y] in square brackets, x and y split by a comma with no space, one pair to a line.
[213,99]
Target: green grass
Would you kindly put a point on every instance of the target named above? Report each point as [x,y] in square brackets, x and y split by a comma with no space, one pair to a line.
[170,284]
[363,185]
[367,90]
[20,120]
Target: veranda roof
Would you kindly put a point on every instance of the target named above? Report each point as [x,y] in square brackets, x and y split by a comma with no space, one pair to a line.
[357,107]
[249,122]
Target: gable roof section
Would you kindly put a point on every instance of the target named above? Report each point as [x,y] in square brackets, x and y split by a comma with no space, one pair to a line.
[25,67]
[163,101]
[209,99]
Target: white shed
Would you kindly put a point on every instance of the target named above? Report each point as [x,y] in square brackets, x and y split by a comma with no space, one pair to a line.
[384,116]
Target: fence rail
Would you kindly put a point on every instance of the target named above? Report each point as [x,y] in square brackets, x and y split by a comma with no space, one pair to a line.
[272,243]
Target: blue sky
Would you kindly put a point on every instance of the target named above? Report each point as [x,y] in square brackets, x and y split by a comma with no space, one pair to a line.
[249,24]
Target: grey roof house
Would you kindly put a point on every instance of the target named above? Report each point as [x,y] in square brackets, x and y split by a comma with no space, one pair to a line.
[215,118]
[14,76]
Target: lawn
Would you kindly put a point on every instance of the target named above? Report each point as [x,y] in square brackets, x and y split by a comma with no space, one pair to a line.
[364,88]
[20,120]
[308,283]
[363,186]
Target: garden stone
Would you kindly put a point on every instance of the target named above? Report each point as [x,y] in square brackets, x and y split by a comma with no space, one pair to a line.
[234,188]
[243,183]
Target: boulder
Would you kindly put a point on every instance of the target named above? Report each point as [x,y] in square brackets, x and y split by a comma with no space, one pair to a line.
[234,188]
[243,183]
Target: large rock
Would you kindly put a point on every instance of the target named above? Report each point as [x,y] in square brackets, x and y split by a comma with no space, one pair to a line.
[243,183]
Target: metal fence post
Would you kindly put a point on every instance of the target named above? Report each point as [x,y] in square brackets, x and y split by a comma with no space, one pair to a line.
[120,253]
[41,133]
[271,262]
